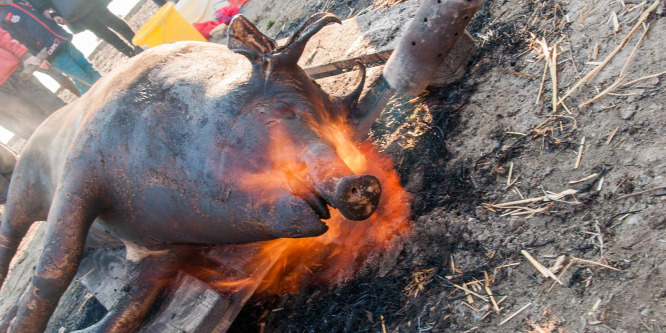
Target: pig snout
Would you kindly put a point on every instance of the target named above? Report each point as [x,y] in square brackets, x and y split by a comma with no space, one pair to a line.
[355,196]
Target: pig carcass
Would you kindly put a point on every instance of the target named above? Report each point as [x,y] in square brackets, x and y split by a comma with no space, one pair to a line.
[161,153]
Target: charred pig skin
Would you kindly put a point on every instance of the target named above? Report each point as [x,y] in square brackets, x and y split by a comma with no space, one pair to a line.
[164,155]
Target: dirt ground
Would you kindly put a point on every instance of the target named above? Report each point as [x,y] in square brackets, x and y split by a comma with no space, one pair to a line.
[461,147]
[492,138]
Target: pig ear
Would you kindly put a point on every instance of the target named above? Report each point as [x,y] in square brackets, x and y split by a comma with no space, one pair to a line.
[246,39]
[291,52]
[350,101]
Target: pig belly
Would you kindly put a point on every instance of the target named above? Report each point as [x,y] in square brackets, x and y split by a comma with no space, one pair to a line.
[175,216]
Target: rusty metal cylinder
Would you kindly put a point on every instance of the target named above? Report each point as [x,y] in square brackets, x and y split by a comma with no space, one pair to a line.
[355,196]
[429,38]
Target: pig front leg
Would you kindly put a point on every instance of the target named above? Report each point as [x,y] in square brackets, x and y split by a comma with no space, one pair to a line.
[11,233]
[72,213]
[149,271]
[22,209]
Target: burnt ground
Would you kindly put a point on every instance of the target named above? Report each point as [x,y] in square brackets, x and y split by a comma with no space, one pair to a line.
[455,148]
[488,140]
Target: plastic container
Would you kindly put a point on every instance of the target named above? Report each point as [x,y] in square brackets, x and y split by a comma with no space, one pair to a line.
[196,11]
[166,26]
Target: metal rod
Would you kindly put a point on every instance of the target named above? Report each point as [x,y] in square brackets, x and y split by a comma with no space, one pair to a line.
[431,35]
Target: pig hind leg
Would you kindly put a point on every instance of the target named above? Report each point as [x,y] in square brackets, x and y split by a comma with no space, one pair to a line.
[148,273]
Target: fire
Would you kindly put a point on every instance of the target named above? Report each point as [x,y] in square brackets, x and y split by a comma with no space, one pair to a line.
[348,246]
[283,157]
[345,147]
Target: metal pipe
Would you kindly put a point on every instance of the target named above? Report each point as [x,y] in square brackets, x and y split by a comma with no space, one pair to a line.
[431,35]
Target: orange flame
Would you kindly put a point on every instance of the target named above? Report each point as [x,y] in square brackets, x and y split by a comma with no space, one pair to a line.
[348,246]
[285,165]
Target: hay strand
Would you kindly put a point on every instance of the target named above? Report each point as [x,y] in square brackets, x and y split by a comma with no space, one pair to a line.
[541,268]
[580,153]
[514,314]
[624,41]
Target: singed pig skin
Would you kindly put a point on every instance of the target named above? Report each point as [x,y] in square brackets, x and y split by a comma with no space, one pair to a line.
[174,150]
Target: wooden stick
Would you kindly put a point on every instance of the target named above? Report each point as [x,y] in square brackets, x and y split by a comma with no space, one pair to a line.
[529,211]
[620,77]
[534,263]
[612,135]
[492,299]
[643,79]
[592,176]
[512,183]
[553,77]
[471,307]
[470,299]
[490,293]
[598,69]
[559,263]
[641,192]
[519,202]
[571,262]
[471,292]
[500,267]
[541,268]
[546,53]
[514,314]
[537,199]
[580,153]
[517,191]
[593,263]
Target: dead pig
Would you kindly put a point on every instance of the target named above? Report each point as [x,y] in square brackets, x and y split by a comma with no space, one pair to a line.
[163,155]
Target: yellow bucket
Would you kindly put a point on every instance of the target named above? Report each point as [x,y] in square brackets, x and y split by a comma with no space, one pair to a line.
[166,26]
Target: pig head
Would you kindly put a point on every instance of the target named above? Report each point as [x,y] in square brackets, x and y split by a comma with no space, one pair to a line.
[187,145]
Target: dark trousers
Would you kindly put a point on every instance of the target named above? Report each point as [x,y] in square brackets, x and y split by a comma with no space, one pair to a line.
[159,2]
[25,104]
[105,25]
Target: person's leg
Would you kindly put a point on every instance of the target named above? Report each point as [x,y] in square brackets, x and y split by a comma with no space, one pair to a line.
[64,63]
[101,31]
[92,74]
[16,115]
[25,104]
[71,61]
[115,23]
[34,91]
[62,79]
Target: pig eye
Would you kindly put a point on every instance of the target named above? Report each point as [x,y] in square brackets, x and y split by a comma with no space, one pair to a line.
[283,110]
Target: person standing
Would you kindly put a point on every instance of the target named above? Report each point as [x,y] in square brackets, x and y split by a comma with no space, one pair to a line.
[36,32]
[25,103]
[91,15]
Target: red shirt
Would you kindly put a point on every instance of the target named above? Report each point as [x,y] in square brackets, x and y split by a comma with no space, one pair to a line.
[11,52]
